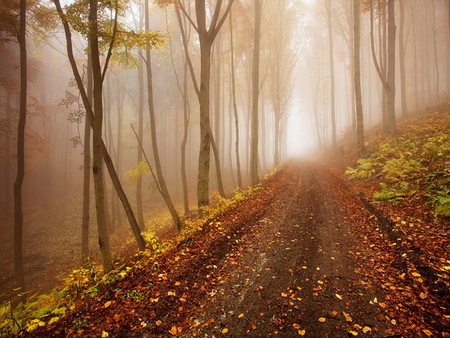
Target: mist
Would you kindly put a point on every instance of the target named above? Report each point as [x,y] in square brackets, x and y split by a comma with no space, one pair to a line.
[189,110]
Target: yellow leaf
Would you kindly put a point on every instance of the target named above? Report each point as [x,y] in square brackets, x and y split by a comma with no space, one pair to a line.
[158,323]
[322,319]
[353,333]
[107,304]
[427,332]
[284,294]
[334,313]
[54,319]
[415,274]
[301,332]
[393,321]
[366,329]
[423,295]
[173,331]
[347,317]
[241,315]
[105,334]
[171,293]
[225,330]
[338,296]
[154,300]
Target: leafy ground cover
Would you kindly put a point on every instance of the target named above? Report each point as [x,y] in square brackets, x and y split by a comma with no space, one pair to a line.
[312,252]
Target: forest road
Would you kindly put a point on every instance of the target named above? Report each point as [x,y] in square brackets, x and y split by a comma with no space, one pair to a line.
[293,271]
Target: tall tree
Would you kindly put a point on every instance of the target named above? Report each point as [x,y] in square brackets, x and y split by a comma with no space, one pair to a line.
[357,79]
[97,129]
[18,212]
[254,140]
[235,110]
[390,113]
[332,77]
[206,37]
[387,80]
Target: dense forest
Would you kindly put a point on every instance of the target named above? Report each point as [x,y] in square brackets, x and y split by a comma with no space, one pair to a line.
[120,117]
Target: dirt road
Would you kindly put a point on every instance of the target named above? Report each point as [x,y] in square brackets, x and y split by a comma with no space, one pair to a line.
[294,273]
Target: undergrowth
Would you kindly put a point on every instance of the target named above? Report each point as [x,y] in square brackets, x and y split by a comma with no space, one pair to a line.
[413,165]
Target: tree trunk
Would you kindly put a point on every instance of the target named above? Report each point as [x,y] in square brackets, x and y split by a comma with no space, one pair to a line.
[235,111]
[86,173]
[18,212]
[97,167]
[254,176]
[402,58]
[357,68]
[332,84]
[140,213]
[390,118]
[205,126]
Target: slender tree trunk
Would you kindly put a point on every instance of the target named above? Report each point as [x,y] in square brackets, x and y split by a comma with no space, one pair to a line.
[205,126]
[235,111]
[86,173]
[140,213]
[357,67]
[332,79]
[161,181]
[18,183]
[254,176]
[97,167]
[402,58]
[391,69]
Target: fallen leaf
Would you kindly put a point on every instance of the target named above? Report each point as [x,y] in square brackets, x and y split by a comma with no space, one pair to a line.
[427,332]
[173,331]
[296,326]
[322,319]
[338,296]
[158,323]
[301,332]
[254,326]
[347,317]
[171,293]
[225,330]
[107,304]
[354,333]
[415,274]
[334,313]
[366,329]
[105,334]
[241,315]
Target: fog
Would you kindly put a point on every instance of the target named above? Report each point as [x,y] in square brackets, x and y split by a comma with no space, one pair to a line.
[305,103]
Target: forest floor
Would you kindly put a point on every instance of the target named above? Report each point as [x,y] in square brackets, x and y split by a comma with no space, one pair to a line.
[303,254]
